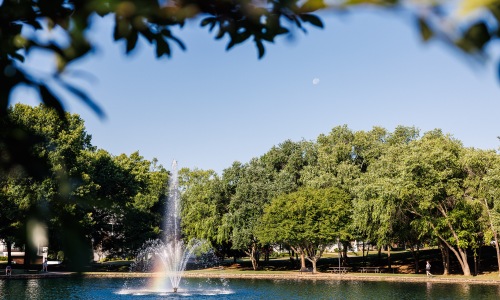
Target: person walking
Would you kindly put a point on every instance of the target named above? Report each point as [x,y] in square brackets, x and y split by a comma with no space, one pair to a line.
[428,269]
[44,265]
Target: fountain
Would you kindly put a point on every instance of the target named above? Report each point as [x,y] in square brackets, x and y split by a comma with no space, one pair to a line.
[172,252]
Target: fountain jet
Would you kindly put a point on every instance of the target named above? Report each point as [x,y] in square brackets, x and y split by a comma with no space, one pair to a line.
[171,251]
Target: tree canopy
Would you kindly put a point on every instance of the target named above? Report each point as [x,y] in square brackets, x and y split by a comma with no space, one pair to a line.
[380,187]
[87,199]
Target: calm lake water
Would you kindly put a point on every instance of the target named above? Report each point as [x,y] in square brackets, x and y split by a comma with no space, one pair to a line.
[119,288]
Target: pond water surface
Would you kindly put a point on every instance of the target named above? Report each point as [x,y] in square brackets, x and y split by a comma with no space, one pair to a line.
[119,288]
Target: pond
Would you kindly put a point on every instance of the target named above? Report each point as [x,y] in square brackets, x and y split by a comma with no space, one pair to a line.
[119,288]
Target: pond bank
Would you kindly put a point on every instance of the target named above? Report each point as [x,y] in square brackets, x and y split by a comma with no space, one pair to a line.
[481,279]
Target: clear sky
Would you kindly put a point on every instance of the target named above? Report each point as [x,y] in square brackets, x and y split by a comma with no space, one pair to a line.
[207,108]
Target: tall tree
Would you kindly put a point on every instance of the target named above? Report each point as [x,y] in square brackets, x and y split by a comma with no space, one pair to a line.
[203,208]
[246,207]
[432,181]
[482,186]
[56,196]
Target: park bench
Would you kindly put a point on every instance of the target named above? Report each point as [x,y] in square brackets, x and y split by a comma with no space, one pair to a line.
[339,270]
[370,269]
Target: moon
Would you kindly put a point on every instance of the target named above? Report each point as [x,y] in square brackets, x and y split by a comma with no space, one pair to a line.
[316,81]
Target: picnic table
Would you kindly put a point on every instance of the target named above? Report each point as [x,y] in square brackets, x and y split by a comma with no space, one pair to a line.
[340,270]
[370,269]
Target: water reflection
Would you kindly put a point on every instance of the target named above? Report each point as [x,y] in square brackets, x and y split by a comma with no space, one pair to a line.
[429,289]
[32,290]
[465,289]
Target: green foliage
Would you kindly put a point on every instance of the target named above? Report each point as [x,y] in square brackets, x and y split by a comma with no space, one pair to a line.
[383,187]
[308,216]
[307,220]
[86,194]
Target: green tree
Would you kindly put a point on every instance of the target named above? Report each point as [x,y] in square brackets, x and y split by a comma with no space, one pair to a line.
[432,189]
[203,208]
[15,197]
[482,186]
[55,197]
[308,221]
[246,207]
[137,208]
[380,217]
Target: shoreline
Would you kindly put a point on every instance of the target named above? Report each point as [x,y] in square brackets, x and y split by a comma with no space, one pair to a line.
[271,276]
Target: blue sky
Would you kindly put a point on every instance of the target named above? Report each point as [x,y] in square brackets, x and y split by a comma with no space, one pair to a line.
[207,108]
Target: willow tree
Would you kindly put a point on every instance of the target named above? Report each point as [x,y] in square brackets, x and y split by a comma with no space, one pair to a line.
[482,186]
[379,211]
[246,207]
[308,221]
[203,207]
[431,188]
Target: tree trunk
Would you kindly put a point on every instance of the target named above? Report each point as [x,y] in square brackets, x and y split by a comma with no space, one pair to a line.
[254,257]
[302,260]
[364,261]
[463,261]
[495,234]
[415,252]
[267,254]
[475,263]
[9,252]
[497,248]
[389,256]
[460,253]
[313,261]
[445,254]
[344,254]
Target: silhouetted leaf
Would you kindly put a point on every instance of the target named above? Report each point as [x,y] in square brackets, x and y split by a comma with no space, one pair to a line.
[206,21]
[51,100]
[425,30]
[122,29]
[237,39]
[36,25]
[260,48]
[220,33]
[314,20]
[84,97]
[167,33]
[132,41]
[282,30]
[148,35]
[18,56]
[162,47]
[478,35]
